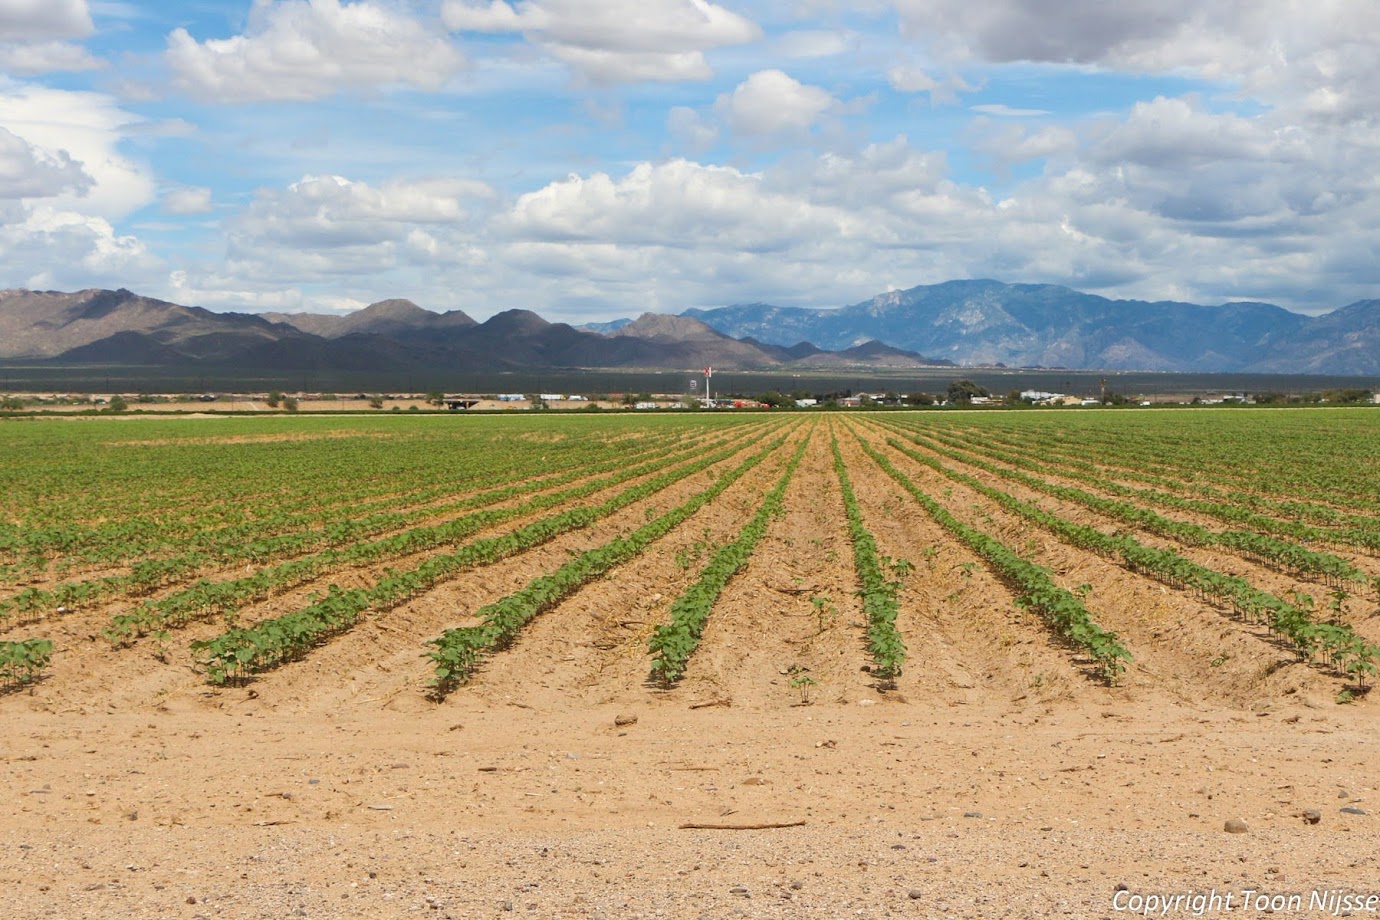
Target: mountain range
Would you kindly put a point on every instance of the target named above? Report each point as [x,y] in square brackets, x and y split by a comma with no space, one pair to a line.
[1028,325]
[975,322]
[123,328]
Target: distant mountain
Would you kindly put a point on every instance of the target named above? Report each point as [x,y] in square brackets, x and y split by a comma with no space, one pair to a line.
[387,317]
[988,322]
[45,324]
[612,325]
[962,322]
[120,327]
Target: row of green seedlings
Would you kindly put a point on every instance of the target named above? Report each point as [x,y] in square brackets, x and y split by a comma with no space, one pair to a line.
[208,529]
[457,652]
[22,661]
[880,593]
[1033,584]
[1333,644]
[241,651]
[1359,533]
[1114,455]
[149,575]
[672,643]
[205,598]
[1332,570]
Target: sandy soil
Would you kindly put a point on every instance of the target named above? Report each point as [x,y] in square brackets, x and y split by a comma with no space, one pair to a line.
[996,780]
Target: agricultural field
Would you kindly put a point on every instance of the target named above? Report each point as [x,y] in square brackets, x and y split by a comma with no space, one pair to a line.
[935,664]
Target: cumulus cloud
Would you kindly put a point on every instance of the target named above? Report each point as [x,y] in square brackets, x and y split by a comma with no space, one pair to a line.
[308,49]
[773,102]
[29,172]
[613,41]
[87,128]
[669,204]
[329,225]
[71,250]
[44,20]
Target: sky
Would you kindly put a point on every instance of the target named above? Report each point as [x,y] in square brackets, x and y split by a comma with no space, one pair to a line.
[592,159]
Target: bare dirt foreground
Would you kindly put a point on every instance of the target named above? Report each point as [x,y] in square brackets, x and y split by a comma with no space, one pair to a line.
[997,780]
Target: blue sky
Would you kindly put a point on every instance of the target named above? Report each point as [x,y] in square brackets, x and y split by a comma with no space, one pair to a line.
[590,160]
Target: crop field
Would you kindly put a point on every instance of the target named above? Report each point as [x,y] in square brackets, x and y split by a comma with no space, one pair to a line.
[240,548]
[195,611]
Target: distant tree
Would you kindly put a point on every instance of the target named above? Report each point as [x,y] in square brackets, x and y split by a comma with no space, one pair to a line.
[274,399]
[775,399]
[435,398]
[962,392]
[375,402]
[920,399]
[290,403]
[118,403]
[11,403]
[537,402]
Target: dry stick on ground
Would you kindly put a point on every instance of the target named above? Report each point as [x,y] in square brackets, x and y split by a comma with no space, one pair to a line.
[741,827]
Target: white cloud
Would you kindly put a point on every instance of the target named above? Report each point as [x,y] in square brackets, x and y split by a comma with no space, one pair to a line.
[29,172]
[308,49]
[665,205]
[87,128]
[773,102]
[44,20]
[46,57]
[187,201]
[612,41]
[68,250]
[329,226]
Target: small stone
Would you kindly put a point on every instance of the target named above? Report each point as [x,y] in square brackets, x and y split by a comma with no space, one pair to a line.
[624,719]
[915,894]
[1122,886]
[191,900]
[1353,810]
[1235,826]
[797,885]
[972,814]
[506,906]
[1312,815]
[755,781]
[740,891]
[1343,794]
